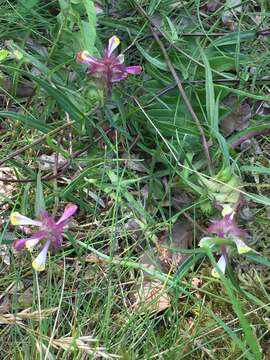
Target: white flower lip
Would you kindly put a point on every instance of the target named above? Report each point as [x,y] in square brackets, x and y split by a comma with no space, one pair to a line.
[40,261]
[18,219]
[221,265]
[114,41]
[242,248]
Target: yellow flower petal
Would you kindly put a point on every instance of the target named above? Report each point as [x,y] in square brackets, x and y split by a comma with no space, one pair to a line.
[114,41]
[221,265]
[227,210]
[14,218]
[242,248]
[215,274]
[18,219]
[40,261]
[37,266]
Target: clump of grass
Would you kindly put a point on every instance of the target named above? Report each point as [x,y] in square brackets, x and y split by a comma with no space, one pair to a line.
[135,163]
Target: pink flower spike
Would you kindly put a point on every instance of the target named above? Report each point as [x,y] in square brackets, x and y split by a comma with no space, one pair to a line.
[225,227]
[110,68]
[19,244]
[135,69]
[51,231]
[69,211]
[118,76]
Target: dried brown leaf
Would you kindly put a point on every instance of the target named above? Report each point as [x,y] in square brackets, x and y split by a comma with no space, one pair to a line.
[93,259]
[22,90]
[7,189]
[182,237]
[150,260]
[4,254]
[47,162]
[151,296]
[238,119]
[213,5]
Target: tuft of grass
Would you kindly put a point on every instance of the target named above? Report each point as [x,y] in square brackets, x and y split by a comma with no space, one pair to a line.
[133,164]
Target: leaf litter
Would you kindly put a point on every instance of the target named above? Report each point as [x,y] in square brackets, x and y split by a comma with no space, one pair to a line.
[237,119]
[150,295]
[167,251]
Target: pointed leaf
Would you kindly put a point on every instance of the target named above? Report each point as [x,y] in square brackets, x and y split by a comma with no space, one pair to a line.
[39,201]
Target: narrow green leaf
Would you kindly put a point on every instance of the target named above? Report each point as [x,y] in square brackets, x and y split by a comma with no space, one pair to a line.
[257,258]
[256,169]
[234,38]
[89,28]
[234,337]
[155,62]
[187,265]
[39,201]
[29,120]
[77,182]
[38,64]
[209,89]
[250,338]
[212,108]
[63,100]
[260,199]
[125,26]
[154,4]
[246,131]
[243,93]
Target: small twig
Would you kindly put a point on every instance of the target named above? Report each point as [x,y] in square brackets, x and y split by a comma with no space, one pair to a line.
[249,136]
[185,98]
[168,88]
[61,169]
[180,88]
[265,32]
[34,143]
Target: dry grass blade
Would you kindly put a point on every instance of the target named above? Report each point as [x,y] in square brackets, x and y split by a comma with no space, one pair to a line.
[9,319]
[82,343]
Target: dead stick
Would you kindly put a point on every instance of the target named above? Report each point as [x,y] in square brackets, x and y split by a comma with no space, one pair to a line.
[180,88]
[34,143]
[185,98]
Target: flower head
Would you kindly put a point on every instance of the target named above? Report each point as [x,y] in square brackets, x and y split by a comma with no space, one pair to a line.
[226,227]
[228,234]
[49,230]
[110,67]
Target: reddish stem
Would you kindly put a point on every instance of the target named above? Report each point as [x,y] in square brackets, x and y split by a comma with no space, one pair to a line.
[249,136]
